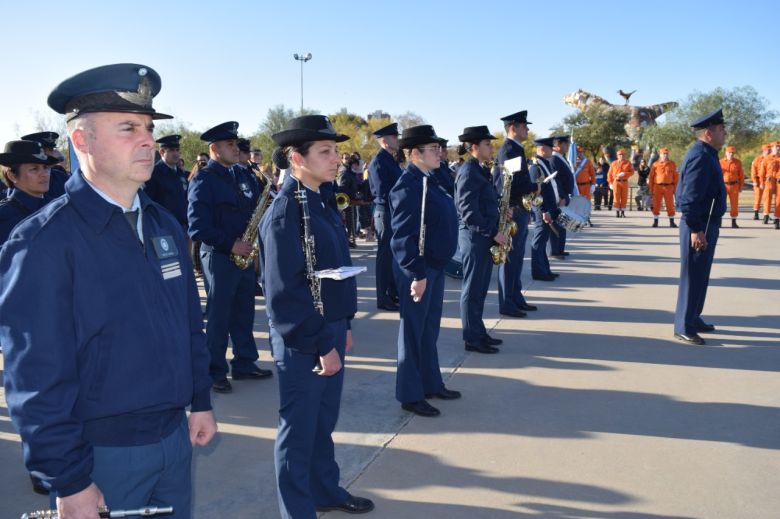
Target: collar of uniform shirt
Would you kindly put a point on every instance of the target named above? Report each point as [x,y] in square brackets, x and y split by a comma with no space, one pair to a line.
[515,141]
[136,206]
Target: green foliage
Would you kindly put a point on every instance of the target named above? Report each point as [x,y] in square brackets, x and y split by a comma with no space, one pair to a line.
[190,143]
[594,128]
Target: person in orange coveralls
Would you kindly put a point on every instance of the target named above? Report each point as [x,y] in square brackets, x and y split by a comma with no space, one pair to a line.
[769,174]
[734,178]
[662,184]
[758,185]
[619,172]
[584,173]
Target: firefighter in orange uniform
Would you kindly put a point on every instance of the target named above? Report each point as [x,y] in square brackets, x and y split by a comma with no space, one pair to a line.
[619,172]
[770,175]
[734,178]
[662,184]
[584,173]
[755,177]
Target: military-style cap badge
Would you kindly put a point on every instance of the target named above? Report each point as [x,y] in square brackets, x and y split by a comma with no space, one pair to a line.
[25,152]
[47,139]
[123,87]
[222,132]
[169,141]
[708,120]
[517,118]
[390,129]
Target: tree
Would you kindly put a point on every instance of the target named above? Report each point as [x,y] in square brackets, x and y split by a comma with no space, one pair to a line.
[275,121]
[596,127]
[409,119]
[190,143]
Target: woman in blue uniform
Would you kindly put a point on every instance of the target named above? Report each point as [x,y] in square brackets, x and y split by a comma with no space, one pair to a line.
[309,319]
[477,205]
[27,175]
[419,269]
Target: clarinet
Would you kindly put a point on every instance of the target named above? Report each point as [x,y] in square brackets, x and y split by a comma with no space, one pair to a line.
[307,241]
[421,243]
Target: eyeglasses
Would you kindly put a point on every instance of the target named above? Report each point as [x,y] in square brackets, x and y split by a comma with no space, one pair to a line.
[432,147]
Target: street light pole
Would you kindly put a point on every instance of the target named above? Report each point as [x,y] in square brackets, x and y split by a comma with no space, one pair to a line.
[303,58]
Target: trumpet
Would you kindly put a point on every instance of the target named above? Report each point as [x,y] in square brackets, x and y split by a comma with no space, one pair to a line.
[343,201]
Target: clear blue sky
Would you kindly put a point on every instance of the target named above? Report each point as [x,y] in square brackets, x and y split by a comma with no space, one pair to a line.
[455,63]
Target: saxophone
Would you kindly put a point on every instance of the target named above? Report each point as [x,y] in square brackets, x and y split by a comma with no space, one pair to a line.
[533,200]
[506,225]
[307,241]
[250,234]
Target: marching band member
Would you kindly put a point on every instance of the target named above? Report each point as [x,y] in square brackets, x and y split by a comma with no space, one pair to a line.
[546,214]
[419,268]
[567,187]
[477,205]
[220,207]
[309,319]
[100,318]
[511,301]
[443,173]
[662,183]
[168,185]
[383,173]
[619,172]
[57,174]
[26,173]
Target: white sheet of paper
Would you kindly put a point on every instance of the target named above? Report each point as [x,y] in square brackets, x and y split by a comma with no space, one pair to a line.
[340,273]
[514,165]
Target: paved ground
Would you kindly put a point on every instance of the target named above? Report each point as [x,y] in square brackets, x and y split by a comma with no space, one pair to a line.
[591,410]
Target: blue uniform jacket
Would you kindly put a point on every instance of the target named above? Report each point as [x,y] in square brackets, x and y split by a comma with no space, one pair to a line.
[168,187]
[443,175]
[564,178]
[249,185]
[18,206]
[521,181]
[289,302]
[383,173]
[601,174]
[218,210]
[701,184]
[103,338]
[476,200]
[441,224]
[57,179]
[549,204]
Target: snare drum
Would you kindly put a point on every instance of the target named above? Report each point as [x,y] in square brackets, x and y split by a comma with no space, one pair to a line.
[575,216]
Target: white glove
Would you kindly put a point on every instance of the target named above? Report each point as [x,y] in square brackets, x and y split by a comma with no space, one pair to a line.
[621,174]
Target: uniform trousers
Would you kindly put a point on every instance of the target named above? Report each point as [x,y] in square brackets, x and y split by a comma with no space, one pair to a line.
[557,241]
[695,267]
[477,269]
[584,189]
[540,264]
[230,311]
[733,191]
[665,194]
[510,287]
[307,474]
[385,285]
[621,194]
[758,192]
[770,189]
[157,474]
[418,372]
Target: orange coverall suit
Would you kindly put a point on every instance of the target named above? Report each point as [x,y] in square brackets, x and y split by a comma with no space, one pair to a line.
[586,178]
[770,174]
[620,184]
[758,185]
[662,183]
[734,178]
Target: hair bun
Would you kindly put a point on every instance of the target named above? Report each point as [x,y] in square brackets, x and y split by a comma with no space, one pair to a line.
[280,159]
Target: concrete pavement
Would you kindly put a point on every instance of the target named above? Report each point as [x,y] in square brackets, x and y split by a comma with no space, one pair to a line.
[591,410]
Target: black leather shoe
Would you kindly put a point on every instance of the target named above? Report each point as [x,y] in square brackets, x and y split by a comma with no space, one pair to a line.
[445,394]
[490,341]
[528,308]
[390,307]
[558,256]
[692,338]
[555,274]
[655,223]
[704,327]
[480,347]
[566,253]
[514,313]
[672,224]
[421,408]
[353,505]
[222,386]
[255,374]
[544,278]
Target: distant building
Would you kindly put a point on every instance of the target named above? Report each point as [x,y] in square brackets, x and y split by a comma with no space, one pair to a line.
[379,114]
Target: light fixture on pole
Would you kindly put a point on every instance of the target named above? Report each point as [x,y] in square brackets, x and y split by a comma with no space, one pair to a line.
[303,58]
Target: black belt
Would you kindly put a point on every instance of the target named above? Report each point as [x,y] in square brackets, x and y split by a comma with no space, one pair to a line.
[621,180]
[732,183]
[583,183]
[664,184]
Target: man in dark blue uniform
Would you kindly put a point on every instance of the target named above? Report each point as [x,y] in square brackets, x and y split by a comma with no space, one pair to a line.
[220,207]
[511,301]
[383,173]
[566,186]
[100,318]
[168,185]
[443,173]
[545,215]
[58,175]
[701,197]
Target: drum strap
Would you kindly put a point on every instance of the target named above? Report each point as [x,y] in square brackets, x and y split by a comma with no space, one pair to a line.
[552,182]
